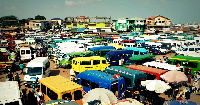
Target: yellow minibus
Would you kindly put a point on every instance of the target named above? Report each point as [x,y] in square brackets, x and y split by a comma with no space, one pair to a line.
[81,64]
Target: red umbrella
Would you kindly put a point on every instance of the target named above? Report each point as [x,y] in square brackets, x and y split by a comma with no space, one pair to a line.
[174,76]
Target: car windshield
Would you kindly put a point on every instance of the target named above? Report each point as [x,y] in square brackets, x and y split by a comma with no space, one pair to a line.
[34,70]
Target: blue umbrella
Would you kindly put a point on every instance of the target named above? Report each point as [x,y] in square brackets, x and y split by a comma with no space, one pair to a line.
[62,102]
[178,103]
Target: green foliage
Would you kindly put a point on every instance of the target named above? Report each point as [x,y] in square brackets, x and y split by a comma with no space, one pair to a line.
[38,17]
[9,20]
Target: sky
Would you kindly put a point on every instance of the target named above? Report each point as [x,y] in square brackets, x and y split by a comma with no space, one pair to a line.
[179,11]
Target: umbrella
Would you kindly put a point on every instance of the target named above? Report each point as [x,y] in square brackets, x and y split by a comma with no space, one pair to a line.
[60,102]
[102,94]
[174,76]
[155,85]
[128,101]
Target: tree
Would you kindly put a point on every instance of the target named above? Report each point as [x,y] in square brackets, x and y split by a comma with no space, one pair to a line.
[8,20]
[38,17]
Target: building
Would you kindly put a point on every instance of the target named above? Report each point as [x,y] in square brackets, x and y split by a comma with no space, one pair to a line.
[82,22]
[136,25]
[39,25]
[120,24]
[155,24]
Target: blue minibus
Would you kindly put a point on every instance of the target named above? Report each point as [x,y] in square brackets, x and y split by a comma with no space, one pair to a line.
[115,57]
[97,79]
[137,51]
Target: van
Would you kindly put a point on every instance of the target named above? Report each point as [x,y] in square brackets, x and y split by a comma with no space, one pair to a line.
[114,57]
[97,79]
[25,54]
[81,64]
[36,68]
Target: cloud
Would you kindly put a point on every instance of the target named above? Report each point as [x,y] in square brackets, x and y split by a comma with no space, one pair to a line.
[80,2]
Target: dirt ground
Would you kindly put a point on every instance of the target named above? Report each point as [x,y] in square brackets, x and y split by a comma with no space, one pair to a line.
[65,73]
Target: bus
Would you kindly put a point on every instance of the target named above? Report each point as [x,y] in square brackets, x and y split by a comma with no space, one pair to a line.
[152,73]
[66,62]
[137,51]
[36,69]
[81,64]
[97,79]
[128,43]
[115,56]
[187,62]
[96,49]
[132,79]
[139,60]
[58,87]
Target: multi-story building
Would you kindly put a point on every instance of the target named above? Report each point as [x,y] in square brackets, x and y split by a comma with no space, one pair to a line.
[136,25]
[82,22]
[120,24]
[39,24]
[155,24]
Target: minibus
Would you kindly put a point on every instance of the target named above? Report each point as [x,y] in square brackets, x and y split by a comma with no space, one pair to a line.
[96,49]
[81,64]
[25,54]
[36,69]
[66,62]
[115,56]
[137,51]
[97,79]
[187,62]
[58,87]
[132,79]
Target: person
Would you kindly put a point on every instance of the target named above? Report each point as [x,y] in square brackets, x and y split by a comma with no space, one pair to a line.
[38,96]
[17,78]
[21,66]
[10,76]
[187,95]
[196,86]
[175,93]
[121,61]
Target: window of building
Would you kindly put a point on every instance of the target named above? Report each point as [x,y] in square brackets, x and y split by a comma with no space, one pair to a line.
[85,83]
[158,18]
